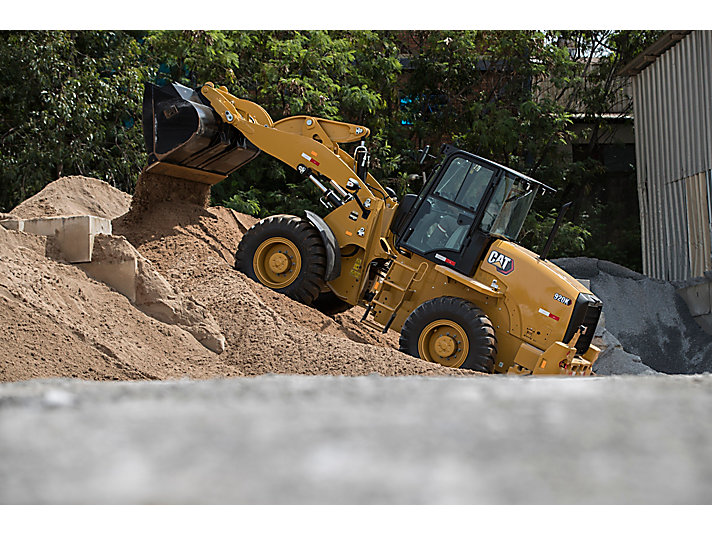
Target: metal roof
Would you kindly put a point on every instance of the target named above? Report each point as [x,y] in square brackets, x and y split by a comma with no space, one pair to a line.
[654,51]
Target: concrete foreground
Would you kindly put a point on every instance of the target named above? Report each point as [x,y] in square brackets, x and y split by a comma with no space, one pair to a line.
[298,439]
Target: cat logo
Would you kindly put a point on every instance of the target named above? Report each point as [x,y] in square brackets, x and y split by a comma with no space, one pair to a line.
[504,264]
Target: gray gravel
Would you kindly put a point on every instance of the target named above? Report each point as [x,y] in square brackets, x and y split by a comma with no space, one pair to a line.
[297,439]
[648,317]
[615,360]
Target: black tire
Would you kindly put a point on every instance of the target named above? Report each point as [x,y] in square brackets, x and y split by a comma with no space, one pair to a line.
[329,304]
[306,280]
[461,317]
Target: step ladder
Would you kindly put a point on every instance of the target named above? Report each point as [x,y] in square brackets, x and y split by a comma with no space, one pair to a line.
[389,289]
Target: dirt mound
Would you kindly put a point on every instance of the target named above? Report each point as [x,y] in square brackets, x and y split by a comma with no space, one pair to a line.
[116,262]
[56,321]
[59,322]
[75,195]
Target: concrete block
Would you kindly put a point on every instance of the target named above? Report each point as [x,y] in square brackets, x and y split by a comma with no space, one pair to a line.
[120,275]
[74,235]
[119,265]
[114,262]
[13,224]
[697,298]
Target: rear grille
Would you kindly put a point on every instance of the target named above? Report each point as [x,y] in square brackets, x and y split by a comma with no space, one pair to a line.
[586,313]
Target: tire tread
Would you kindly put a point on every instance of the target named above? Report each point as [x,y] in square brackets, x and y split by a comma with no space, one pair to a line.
[311,279]
[477,325]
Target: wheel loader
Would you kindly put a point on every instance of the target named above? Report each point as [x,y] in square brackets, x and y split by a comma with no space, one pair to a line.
[442,267]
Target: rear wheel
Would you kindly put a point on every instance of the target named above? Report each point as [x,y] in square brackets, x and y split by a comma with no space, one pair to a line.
[284,253]
[452,332]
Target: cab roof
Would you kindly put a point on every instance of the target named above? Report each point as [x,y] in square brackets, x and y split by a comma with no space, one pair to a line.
[450,149]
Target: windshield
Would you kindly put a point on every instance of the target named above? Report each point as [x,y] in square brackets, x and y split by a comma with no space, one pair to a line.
[509,206]
[445,217]
[464,183]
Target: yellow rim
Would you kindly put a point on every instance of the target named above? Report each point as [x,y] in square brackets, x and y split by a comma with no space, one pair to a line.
[277,262]
[444,342]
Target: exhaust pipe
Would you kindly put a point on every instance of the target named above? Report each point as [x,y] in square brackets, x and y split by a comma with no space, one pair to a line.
[180,128]
[554,229]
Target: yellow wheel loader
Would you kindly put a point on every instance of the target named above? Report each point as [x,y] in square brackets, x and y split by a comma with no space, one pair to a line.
[441,267]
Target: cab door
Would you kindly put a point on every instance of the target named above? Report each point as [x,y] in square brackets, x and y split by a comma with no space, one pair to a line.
[443,227]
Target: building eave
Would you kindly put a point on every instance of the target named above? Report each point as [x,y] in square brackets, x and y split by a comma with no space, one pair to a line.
[654,51]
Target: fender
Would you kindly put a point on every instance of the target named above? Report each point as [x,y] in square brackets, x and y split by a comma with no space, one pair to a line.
[469,282]
[333,254]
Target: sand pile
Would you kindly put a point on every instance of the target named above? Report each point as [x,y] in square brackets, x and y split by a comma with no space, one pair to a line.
[194,247]
[75,195]
[648,317]
[117,263]
[57,321]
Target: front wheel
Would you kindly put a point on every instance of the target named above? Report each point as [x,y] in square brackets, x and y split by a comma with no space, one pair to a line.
[452,332]
[284,253]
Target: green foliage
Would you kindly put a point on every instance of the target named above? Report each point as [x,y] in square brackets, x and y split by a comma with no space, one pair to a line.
[70,103]
[339,75]
[245,202]
[570,239]
[538,101]
[541,103]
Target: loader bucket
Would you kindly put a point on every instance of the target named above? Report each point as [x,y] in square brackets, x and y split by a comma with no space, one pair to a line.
[180,128]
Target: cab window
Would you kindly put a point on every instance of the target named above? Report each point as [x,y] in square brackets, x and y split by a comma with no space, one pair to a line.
[508,207]
[445,217]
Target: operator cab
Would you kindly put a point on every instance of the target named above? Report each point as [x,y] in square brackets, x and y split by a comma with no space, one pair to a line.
[467,204]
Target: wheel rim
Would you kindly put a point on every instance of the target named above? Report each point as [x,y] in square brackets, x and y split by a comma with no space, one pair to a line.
[444,342]
[277,262]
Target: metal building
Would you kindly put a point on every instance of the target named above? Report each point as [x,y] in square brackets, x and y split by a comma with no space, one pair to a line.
[672,93]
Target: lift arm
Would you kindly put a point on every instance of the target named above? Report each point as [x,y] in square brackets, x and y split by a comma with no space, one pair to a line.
[302,142]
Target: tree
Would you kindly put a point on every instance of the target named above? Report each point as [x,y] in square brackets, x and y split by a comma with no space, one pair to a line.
[69,104]
[541,103]
[346,76]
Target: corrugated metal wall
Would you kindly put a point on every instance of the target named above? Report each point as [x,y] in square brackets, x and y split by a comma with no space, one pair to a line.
[698,224]
[673,122]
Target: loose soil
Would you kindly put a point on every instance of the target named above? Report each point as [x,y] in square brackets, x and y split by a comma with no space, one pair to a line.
[58,322]
[75,195]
